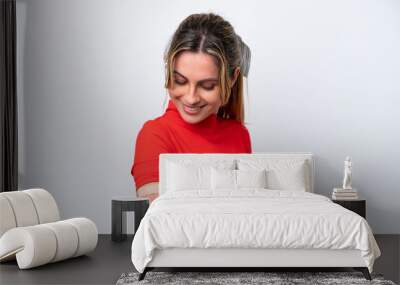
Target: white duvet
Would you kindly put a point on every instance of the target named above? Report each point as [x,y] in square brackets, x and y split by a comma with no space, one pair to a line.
[251,218]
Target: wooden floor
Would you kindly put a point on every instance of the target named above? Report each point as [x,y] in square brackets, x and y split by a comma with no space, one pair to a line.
[111,259]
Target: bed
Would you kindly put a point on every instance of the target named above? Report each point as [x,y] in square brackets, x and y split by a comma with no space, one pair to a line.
[244,211]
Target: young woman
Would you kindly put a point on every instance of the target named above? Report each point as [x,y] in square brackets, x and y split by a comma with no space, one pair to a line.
[205,63]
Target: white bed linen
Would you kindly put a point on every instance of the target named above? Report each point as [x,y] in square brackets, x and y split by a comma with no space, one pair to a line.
[250,218]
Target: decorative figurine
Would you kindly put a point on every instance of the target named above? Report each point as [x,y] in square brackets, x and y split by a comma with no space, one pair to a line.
[347,173]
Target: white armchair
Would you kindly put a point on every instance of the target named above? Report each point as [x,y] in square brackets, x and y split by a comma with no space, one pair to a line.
[31,231]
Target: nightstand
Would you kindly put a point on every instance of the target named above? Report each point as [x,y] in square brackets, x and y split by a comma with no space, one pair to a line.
[357,206]
[119,206]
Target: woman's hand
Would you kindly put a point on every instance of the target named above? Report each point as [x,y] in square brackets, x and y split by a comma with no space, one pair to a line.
[152,197]
[149,190]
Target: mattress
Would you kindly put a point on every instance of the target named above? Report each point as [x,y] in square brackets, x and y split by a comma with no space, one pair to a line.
[250,219]
[255,257]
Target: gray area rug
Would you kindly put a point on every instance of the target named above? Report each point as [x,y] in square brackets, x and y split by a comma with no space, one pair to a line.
[228,278]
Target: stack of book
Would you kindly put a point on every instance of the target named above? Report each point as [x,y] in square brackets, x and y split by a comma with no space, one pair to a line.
[344,194]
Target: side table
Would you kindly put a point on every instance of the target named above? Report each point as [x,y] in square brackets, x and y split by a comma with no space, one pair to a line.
[119,206]
[357,206]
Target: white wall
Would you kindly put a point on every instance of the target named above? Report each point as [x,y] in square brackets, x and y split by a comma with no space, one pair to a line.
[324,78]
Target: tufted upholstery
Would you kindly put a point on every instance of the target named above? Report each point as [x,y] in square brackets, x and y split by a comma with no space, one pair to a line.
[31,231]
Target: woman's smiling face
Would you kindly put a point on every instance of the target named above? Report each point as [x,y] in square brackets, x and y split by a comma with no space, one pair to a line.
[195,90]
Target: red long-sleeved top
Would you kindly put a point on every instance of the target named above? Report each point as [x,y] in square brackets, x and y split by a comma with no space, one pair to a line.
[169,133]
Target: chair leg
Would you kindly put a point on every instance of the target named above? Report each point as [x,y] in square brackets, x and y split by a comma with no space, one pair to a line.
[142,275]
[364,271]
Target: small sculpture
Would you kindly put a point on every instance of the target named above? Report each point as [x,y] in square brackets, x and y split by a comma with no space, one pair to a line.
[347,173]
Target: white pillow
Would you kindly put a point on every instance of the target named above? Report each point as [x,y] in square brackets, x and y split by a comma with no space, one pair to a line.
[223,179]
[251,178]
[187,175]
[282,174]
[236,179]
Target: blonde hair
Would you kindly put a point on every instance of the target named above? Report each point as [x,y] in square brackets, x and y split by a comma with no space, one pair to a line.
[211,34]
